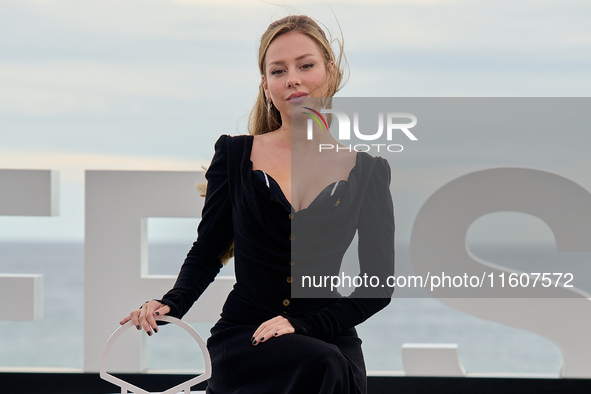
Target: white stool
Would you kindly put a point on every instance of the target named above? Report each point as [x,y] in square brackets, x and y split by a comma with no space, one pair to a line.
[185,386]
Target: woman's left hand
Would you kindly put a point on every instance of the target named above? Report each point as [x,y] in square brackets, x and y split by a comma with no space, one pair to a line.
[275,327]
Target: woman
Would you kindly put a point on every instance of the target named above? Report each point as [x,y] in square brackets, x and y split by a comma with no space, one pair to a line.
[277,224]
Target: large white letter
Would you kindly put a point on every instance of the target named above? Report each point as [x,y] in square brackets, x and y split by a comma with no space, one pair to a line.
[116,276]
[26,193]
[438,244]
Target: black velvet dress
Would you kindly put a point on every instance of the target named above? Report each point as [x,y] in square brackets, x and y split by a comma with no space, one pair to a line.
[248,207]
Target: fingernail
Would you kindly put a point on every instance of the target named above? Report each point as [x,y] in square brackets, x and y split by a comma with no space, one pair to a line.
[156,331]
[157,313]
[275,334]
[149,333]
[252,339]
[138,327]
[254,342]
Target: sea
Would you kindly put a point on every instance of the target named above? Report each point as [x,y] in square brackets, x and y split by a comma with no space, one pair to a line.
[484,347]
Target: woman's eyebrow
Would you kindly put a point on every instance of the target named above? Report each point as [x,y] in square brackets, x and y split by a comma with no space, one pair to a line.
[296,59]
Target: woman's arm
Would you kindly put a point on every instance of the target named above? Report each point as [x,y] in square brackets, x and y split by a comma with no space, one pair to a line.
[202,264]
[215,235]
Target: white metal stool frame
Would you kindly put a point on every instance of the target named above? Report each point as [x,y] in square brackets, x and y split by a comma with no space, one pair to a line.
[185,386]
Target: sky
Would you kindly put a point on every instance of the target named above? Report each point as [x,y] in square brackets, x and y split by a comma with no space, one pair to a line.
[151,84]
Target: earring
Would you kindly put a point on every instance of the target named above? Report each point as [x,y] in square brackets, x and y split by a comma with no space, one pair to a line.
[268,105]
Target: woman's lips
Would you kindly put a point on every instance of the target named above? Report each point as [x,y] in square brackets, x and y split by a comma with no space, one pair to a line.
[297,98]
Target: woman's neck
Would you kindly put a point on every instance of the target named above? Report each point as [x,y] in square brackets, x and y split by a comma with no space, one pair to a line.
[296,137]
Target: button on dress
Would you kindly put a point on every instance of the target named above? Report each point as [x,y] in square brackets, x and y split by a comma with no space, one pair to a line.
[273,246]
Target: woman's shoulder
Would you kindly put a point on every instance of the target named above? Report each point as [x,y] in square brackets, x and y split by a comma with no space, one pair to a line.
[375,167]
[232,143]
[233,139]
[370,162]
[231,153]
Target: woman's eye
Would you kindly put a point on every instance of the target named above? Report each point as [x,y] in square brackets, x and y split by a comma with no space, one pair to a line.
[276,72]
[309,65]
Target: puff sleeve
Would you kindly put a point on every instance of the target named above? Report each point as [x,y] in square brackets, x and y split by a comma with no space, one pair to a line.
[376,258]
[214,236]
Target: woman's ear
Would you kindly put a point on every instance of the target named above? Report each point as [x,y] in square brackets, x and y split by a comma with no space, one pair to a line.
[265,87]
[330,68]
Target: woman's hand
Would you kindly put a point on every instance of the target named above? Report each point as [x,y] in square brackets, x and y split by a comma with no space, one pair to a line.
[145,316]
[275,327]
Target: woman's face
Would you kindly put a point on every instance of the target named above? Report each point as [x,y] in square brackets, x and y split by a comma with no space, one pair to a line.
[294,70]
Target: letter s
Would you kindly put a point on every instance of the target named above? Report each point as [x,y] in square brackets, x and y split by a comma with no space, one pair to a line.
[439,237]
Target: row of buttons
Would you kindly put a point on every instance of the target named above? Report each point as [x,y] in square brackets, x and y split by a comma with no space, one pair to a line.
[289,279]
[286,302]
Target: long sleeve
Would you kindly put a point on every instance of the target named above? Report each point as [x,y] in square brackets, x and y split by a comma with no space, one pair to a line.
[376,258]
[215,234]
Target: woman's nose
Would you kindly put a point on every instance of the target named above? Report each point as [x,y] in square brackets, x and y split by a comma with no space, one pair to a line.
[293,80]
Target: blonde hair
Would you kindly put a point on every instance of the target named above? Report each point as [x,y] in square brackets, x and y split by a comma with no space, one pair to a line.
[261,120]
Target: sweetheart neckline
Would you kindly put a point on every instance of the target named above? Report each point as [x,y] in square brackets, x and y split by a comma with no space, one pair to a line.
[281,190]
[311,203]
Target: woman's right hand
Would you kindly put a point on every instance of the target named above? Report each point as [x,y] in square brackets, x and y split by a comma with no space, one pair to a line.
[145,316]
